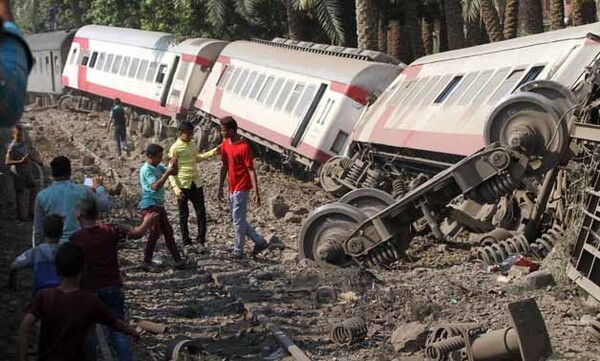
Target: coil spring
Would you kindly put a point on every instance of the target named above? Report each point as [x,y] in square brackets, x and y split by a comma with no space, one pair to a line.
[373,178]
[383,255]
[491,190]
[438,351]
[349,331]
[544,244]
[354,173]
[399,188]
[498,252]
[446,331]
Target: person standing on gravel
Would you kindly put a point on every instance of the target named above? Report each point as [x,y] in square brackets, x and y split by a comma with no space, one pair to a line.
[17,155]
[101,274]
[236,156]
[61,197]
[187,185]
[117,117]
[153,176]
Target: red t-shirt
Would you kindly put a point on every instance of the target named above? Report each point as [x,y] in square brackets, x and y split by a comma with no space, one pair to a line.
[66,319]
[238,159]
[100,248]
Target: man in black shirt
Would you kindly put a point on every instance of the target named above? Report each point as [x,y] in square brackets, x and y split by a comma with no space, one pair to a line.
[117,116]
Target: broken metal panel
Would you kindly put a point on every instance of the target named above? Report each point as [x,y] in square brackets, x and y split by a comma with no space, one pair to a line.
[584,267]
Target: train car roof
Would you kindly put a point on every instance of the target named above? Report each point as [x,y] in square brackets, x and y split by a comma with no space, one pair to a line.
[134,37]
[194,45]
[339,69]
[49,41]
[577,32]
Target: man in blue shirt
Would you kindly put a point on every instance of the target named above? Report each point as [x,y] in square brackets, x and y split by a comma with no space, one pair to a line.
[153,176]
[61,198]
[15,64]
[117,117]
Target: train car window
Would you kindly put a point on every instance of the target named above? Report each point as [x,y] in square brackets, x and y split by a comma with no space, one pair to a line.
[108,64]
[429,91]
[133,68]
[489,87]
[142,70]
[339,142]
[47,65]
[151,71]
[234,78]
[259,83]
[449,88]
[325,111]
[125,66]
[414,91]
[475,87]
[462,87]
[225,75]
[183,70]
[73,56]
[117,64]
[507,85]
[428,99]
[304,103]
[275,91]
[160,76]
[241,81]
[249,83]
[85,60]
[101,59]
[266,89]
[285,92]
[531,75]
[93,59]
[298,89]
[56,65]
[402,91]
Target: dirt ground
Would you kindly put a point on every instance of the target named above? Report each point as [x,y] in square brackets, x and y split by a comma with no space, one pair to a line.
[439,283]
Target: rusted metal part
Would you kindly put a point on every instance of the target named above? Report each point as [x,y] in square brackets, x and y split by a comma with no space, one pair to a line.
[533,226]
[526,340]
[152,327]
[493,237]
[183,348]
[281,337]
[350,331]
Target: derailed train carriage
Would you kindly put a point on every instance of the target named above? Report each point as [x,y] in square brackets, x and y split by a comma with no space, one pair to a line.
[491,122]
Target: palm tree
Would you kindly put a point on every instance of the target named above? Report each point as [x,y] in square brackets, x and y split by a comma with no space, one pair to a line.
[511,19]
[382,31]
[454,24]
[366,24]
[427,30]
[583,12]
[491,20]
[533,16]
[557,14]
[295,20]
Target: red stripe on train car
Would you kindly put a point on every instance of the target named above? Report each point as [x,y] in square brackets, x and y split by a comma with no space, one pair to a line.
[224,59]
[266,133]
[355,93]
[64,80]
[411,72]
[195,59]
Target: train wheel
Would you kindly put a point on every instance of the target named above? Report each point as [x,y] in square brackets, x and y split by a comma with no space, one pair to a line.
[328,175]
[324,231]
[183,348]
[369,200]
[65,103]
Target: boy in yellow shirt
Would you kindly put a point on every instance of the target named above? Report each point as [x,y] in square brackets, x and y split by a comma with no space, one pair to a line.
[187,184]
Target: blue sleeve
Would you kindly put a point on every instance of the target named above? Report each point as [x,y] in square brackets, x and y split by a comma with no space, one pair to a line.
[101,197]
[14,69]
[24,260]
[147,178]
[38,221]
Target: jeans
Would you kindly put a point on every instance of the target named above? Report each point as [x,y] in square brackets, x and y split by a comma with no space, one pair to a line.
[196,196]
[238,203]
[121,137]
[114,298]
[161,227]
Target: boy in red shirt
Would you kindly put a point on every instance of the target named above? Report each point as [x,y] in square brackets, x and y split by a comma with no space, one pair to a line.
[236,156]
[101,273]
[66,312]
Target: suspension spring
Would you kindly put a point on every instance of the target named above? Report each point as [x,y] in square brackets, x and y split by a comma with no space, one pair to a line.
[544,244]
[498,252]
[448,338]
[383,254]
[491,190]
[350,331]
[399,188]
[354,173]
[437,351]
[373,178]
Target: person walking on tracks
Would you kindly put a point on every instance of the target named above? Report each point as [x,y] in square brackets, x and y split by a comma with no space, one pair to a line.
[187,185]
[238,167]
[117,118]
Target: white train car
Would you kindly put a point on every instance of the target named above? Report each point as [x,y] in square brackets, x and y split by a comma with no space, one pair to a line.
[139,67]
[435,111]
[301,100]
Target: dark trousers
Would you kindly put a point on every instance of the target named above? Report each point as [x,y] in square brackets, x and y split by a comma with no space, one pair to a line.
[161,227]
[114,298]
[121,138]
[196,196]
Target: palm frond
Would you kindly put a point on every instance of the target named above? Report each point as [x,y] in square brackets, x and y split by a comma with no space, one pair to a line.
[217,12]
[330,15]
[246,8]
[471,9]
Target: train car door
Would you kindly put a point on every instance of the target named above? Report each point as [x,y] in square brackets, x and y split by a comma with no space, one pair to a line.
[297,137]
[167,88]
